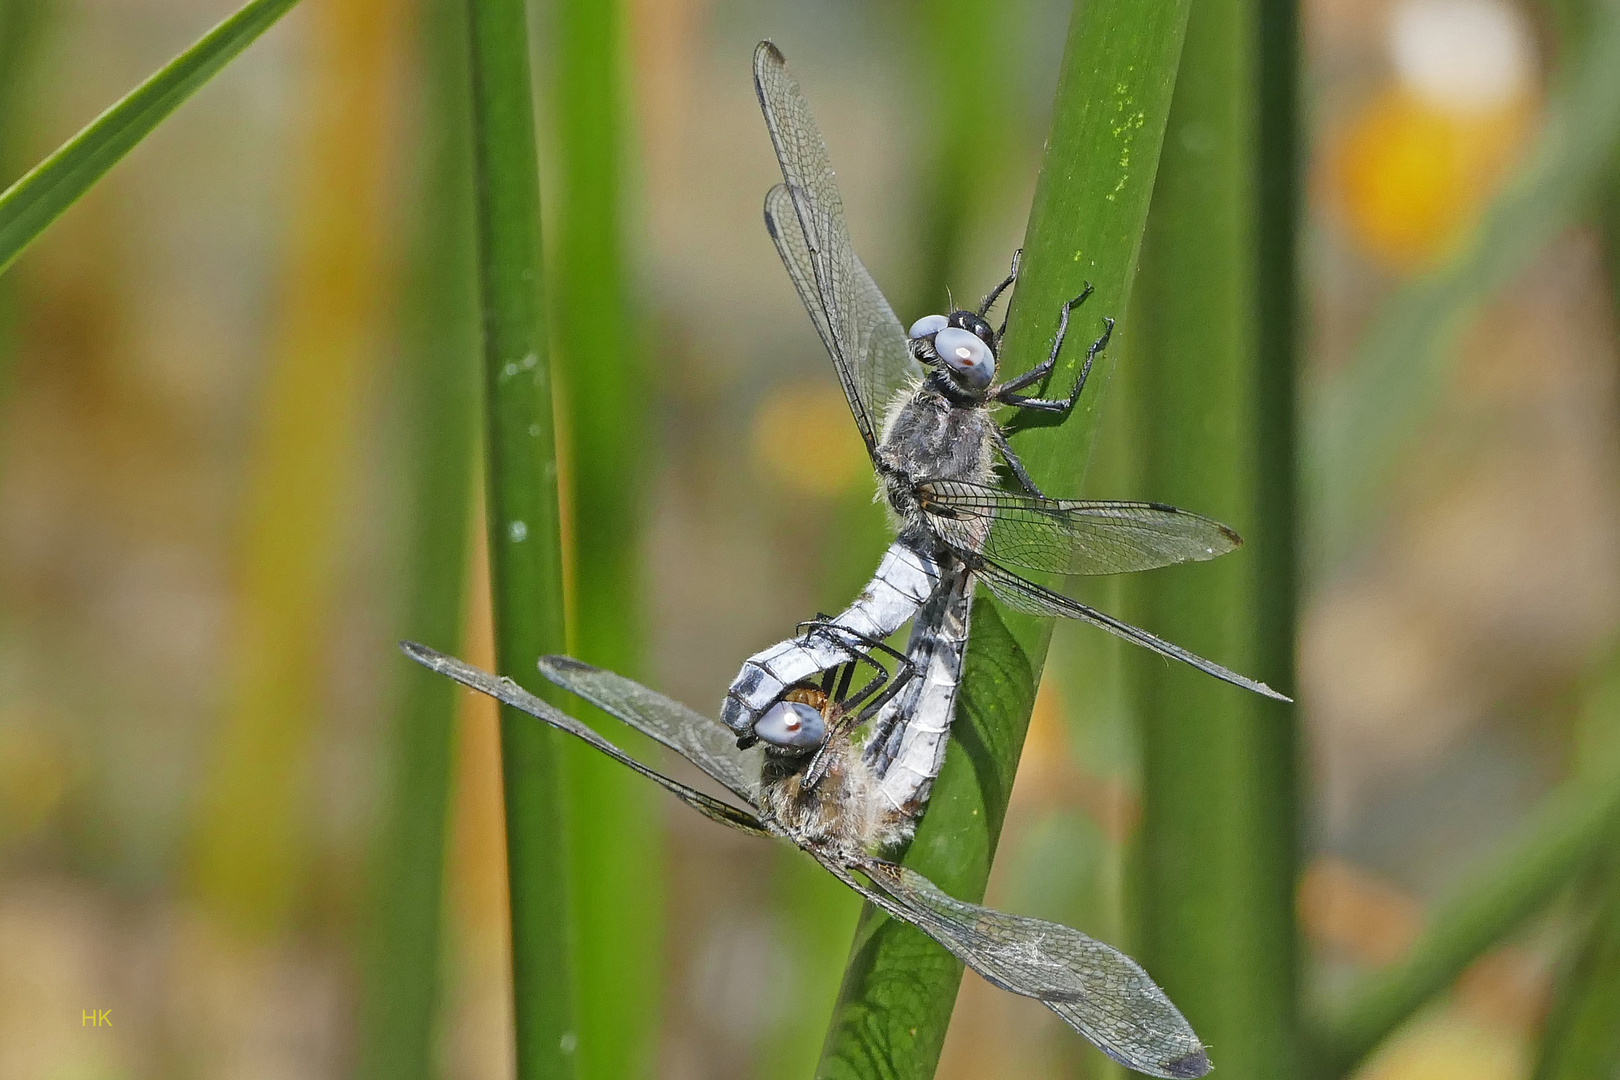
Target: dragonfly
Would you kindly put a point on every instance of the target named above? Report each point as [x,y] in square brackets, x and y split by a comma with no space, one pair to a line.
[845,824]
[923,400]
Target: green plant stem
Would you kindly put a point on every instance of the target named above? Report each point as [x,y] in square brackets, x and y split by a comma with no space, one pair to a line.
[614,816]
[36,200]
[525,539]
[1216,856]
[439,385]
[1581,1038]
[966,122]
[1361,418]
[1542,857]
[1090,203]
[21,22]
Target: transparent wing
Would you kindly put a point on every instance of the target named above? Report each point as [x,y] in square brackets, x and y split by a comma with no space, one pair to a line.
[510,693]
[782,222]
[1098,990]
[1032,599]
[1067,536]
[698,739]
[867,342]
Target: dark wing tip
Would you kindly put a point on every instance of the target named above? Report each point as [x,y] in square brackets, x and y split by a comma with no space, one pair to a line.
[1190,1065]
[420,653]
[552,662]
[766,56]
[1237,541]
[770,218]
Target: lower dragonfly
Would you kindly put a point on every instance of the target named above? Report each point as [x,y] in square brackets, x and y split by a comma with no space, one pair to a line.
[845,824]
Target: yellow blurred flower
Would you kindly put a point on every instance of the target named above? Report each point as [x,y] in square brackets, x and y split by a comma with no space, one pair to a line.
[805,441]
[1411,176]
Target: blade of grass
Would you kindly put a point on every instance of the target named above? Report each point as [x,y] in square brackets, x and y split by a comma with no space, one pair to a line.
[967,121]
[439,384]
[1359,419]
[1216,852]
[1581,1038]
[613,816]
[525,538]
[1090,203]
[40,197]
[20,30]
[249,857]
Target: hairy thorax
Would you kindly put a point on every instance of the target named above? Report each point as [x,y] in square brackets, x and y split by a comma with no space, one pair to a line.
[926,437]
[845,815]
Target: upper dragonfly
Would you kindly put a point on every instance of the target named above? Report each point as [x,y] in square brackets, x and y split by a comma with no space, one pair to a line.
[922,402]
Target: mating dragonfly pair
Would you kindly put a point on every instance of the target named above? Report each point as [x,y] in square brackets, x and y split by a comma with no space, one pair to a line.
[788,748]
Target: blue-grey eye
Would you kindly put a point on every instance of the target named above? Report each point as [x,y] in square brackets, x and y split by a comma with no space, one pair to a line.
[966,355]
[792,725]
[928,324]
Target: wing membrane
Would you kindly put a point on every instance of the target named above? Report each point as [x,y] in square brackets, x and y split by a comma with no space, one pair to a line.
[782,222]
[1070,536]
[510,693]
[1032,599]
[1100,992]
[698,739]
[866,341]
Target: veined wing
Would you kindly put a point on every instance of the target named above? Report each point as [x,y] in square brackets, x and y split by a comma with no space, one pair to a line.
[1032,599]
[1071,536]
[1099,991]
[866,341]
[700,740]
[510,693]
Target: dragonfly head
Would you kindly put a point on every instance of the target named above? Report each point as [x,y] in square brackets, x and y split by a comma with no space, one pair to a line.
[960,344]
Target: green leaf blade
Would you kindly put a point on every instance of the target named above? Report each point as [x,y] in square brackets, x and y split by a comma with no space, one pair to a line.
[524,531]
[29,206]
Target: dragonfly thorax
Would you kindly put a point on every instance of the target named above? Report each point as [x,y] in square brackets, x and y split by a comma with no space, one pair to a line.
[961,345]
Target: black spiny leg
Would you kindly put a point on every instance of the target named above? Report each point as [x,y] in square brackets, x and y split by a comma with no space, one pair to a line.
[1044,368]
[1017,467]
[1057,405]
[995,294]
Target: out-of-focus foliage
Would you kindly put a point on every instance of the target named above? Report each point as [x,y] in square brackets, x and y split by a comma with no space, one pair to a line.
[28,206]
[1451,295]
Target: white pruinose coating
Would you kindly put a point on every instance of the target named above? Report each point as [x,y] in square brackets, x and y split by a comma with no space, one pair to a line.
[930,702]
[792,725]
[966,355]
[905,578]
[928,324]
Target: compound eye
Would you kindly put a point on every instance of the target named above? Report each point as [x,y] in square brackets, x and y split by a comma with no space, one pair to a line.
[792,725]
[969,358]
[928,324]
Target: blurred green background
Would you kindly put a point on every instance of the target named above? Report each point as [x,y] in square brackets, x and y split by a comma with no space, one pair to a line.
[238,388]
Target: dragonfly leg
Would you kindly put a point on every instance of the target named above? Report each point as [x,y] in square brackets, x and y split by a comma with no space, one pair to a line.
[1003,393]
[903,670]
[1063,405]
[858,649]
[995,293]
[1017,466]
